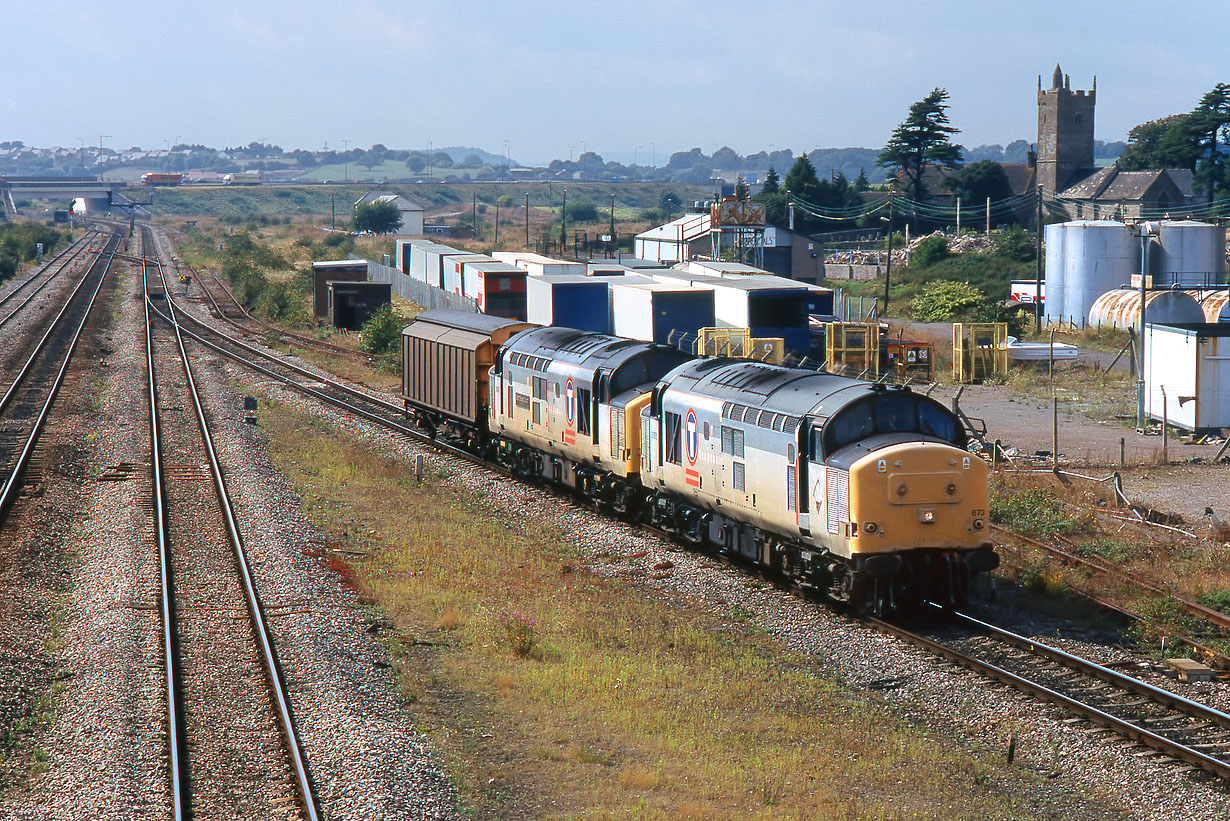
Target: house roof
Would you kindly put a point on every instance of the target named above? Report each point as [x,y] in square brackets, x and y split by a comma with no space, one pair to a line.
[402,203]
[1112,185]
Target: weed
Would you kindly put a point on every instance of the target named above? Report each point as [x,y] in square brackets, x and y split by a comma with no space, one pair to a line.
[450,619]
[519,632]
[639,777]
[1217,599]
[1033,511]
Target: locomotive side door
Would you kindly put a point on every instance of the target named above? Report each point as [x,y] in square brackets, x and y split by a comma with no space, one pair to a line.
[802,487]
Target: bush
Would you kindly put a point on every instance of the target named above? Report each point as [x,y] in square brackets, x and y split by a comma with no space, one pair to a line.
[1016,245]
[382,333]
[942,301]
[582,212]
[281,301]
[929,251]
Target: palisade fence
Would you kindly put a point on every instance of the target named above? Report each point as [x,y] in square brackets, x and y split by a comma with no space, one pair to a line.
[419,292]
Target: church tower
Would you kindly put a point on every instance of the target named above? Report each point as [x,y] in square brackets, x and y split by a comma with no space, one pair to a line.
[1065,132]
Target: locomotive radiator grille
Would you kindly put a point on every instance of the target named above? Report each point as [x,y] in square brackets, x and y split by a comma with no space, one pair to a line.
[838,502]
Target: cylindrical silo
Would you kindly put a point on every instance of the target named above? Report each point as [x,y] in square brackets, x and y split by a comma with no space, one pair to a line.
[1053,288]
[1190,253]
[1100,256]
[1121,308]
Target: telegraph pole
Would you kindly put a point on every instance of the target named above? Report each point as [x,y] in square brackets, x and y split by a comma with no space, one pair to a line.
[1038,270]
[527,221]
[888,268]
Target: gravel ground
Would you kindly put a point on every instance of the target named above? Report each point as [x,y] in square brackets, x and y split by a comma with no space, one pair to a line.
[1078,773]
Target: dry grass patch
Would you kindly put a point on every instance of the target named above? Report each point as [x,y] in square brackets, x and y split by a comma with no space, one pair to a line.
[597,676]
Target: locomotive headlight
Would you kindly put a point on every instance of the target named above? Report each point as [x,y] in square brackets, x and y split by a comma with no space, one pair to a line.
[926,516]
[952,488]
[901,489]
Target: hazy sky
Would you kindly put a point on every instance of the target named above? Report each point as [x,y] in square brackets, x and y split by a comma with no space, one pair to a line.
[550,78]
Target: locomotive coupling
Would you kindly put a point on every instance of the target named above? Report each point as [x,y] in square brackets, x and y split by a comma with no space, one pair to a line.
[983,560]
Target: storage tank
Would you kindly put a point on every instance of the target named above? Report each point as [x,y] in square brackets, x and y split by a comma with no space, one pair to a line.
[1188,253]
[1099,256]
[1053,272]
[1121,308]
[1215,304]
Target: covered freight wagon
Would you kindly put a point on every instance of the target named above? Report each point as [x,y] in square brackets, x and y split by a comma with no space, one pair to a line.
[446,357]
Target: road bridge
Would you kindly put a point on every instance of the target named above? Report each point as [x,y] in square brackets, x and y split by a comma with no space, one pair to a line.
[99,194]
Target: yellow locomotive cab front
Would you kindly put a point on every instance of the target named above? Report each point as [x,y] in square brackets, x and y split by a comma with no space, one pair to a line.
[918,495]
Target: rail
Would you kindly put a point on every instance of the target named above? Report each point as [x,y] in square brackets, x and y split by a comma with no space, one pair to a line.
[11,482]
[272,666]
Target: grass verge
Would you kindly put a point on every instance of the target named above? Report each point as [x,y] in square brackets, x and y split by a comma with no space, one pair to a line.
[555,691]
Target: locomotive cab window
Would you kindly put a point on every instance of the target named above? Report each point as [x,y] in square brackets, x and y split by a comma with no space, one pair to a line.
[894,413]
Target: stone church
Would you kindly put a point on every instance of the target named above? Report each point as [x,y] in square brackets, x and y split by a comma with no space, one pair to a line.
[1064,164]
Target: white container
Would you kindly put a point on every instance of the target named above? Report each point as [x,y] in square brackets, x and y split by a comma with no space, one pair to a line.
[475,271]
[1189,253]
[401,256]
[570,302]
[1191,364]
[425,262]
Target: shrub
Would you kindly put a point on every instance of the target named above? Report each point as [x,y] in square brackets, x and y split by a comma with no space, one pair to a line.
[381,333]
[943,300]
[1033,512]
[929,251]
[1015,244]
[582,212]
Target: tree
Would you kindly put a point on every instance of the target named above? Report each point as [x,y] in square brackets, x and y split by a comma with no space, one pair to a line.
[801,180]
[921,141]
[741,189]
[381,334]
[1162,143]
[980,181]
[377,217]
[862,183]
[1209,125]
[726,158]
[771,181]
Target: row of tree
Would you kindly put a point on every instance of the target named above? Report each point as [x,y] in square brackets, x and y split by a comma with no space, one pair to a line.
[1197,141]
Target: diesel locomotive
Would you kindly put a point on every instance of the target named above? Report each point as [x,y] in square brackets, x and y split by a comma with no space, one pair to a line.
[864,492]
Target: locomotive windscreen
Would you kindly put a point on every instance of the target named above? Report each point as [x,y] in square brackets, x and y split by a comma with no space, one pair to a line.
[890,413]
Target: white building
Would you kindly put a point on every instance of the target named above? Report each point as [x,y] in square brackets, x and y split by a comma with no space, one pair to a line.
[411,212]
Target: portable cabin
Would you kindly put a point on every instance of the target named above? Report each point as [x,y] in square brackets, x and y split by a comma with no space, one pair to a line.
[427,262]
[339,270]
[351,304]
[537,265]
[454,270]
[1187,374]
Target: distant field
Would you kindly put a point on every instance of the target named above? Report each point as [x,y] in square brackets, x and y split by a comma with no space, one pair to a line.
[318,200]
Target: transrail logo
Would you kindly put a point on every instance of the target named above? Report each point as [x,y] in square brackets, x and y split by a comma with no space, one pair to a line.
[691,436]
[570,402]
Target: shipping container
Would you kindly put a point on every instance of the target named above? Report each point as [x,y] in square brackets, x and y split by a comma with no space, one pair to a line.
[1187,374]
[766,306]
[497,287]
[338,270]
[660,312]
[569,302]
[454,270]
[537,265]
[401,256]
[426,262]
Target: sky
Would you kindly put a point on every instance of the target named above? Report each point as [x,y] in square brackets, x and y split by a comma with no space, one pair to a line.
[633,80]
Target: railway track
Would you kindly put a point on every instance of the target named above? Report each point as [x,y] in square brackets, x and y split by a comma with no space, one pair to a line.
[233,746]
[27,400]
[44,276]
[224,304]
[1171,726]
